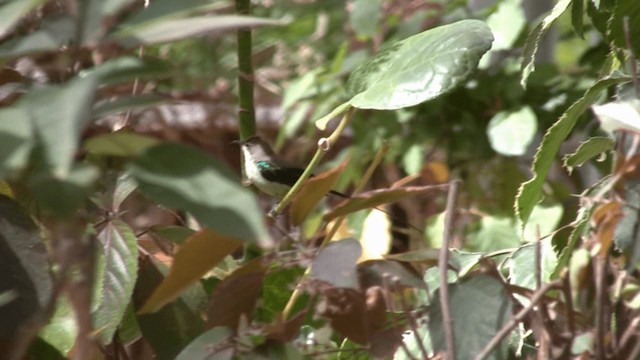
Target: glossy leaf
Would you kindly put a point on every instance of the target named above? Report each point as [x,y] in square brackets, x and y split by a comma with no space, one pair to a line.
[162,31]
[199,254]
[530,192]
[420,67]
[480,307]
[587,150]
[210,346]
[336,263]
[186,178]
[120,143]
[375,198]
[24,262]
[533,40]
[312,192]
[117,276]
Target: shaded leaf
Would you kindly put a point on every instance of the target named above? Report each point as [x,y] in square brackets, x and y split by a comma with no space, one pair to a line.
[127,103]
[118,274]
[312,192]
[522,266]
[96,18]
[162,31]
[59,114]
[12,11]
[530,192]
[473,328]
[420,67]
[276,291]
[171,328]
[16,139]
[364,16]
[616,34]
[199,254]
[24,263]
[372,273]
[535,36]
[51,36]
[236,295]
[175,234]
[215,344]
[129,68]
[61,330]
[119,143]
[588,149]
[375,198]
[186,178]
[336,263]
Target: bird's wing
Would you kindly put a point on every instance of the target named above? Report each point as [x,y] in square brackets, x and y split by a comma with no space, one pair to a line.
[282,175]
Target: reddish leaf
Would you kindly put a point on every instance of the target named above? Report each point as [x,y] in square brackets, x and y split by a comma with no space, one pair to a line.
[312,192]
[375,198]
[236,295]
[606,218]
[345,308]
[201,252]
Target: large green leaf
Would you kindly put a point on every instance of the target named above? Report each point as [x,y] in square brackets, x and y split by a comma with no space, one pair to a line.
[210,346]
[63,196]
[59,114]
[522,266]
[129,68]
[479,308]
[62,329]
[186,178]
[530,192]
[116,276]
[24,265]
[420,67]
[52,35]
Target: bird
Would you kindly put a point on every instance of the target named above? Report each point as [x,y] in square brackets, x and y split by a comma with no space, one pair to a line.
[266,171]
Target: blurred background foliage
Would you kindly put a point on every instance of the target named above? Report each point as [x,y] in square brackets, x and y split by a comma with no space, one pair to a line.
[126,85]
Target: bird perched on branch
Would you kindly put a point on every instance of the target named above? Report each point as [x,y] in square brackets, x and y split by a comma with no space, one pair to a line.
[266,171]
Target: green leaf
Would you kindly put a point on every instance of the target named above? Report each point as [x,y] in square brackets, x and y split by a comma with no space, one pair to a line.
[420,67]
[12,11]
[115,278]
[129,68]
[209,346]
[364,16]
[62,329]
[631,10]
[127,103]
[186,178]
[495,233]
[511,132]
[199,254]
[24,263]
[581,222]
[59,114]
[160,10]
[63,196]
[173,327]
[577,16]
[51,36]
[530,192]
[157,32]
[96,18]
[480,307]
[16,139]
[120,143]
[522,266]
[506,24]
[175,234]
[588,149]
[533,40]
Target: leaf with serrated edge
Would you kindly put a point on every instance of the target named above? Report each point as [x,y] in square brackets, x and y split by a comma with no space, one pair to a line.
[199,254]
[588,149]
[533,40]
[530,192]
[120,253]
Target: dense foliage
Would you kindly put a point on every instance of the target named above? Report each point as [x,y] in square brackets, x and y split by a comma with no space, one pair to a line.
[490,152]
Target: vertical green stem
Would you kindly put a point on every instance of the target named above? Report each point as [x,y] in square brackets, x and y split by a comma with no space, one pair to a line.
[247,118]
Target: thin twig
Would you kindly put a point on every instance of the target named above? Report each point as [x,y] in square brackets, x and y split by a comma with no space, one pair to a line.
[246,112]
[629,332]
[538,258]
[600,295]
[513,322]
[412,321]
[443,265]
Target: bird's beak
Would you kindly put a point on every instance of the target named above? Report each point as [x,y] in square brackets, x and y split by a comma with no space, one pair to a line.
[238,142]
